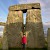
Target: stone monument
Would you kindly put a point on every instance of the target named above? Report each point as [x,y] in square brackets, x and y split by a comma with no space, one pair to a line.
[48,38]
[33,28]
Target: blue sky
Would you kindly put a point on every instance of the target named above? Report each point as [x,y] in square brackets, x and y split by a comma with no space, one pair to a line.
[45,8]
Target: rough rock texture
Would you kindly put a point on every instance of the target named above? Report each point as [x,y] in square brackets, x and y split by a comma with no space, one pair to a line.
[0,42]
[35,35]
[25,6]
[13,28]
[48,38]
[5,40]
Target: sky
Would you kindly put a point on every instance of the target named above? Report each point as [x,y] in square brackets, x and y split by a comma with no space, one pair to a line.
[45,8]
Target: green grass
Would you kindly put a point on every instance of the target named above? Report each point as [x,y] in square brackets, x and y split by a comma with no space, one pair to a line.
[0,46]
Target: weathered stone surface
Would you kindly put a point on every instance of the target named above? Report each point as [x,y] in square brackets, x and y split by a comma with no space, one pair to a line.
[2,24]
[48,38]
[5,40]
[13,28]
[0,42]
[35,29]
[25,6]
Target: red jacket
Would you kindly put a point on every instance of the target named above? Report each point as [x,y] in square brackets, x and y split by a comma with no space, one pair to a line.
[24,40]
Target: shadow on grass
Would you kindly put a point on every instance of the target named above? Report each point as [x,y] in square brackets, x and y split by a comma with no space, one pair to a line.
[28,49]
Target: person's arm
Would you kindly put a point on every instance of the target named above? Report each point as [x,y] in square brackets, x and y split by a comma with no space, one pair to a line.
[21,34]
[26,34]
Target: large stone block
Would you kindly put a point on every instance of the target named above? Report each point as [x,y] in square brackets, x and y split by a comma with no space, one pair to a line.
[5,40]
[34,28]
[48,38]
[13,28]
[25,6]
[0,42]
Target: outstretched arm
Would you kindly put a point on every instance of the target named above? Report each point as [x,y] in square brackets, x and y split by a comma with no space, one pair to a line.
[21,34]
[26,34]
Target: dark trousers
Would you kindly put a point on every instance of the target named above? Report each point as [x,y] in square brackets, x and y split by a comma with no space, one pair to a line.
[24,46]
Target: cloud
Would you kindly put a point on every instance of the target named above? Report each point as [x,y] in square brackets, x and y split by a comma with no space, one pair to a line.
[46,15]
[1,32]
[28,1]
[0,17]
[47,23]
[32,1]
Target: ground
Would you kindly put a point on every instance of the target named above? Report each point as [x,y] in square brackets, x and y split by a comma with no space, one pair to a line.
[27,49]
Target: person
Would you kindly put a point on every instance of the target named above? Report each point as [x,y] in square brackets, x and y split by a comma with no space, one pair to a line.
[24,42]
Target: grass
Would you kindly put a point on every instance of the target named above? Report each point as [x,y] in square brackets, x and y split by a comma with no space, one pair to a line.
[0,46]
[28,49]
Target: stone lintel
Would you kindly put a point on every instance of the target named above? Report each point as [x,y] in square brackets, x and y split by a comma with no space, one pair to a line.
[25,6]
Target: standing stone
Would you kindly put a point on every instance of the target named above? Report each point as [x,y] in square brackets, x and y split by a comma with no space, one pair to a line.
[35,29]
[5,40]
[13,28]
[48,38]
[0,42]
